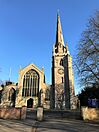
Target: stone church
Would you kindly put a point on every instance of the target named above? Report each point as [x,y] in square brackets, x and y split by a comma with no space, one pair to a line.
[32,91]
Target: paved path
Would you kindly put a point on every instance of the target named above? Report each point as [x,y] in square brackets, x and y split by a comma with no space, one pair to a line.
[51,125]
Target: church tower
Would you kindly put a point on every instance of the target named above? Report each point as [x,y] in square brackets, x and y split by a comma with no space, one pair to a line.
[60,51]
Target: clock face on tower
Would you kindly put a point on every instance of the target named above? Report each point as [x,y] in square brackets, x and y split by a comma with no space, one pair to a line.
[60,71]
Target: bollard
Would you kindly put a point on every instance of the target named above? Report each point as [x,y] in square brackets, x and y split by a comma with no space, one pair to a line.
[34,129]
[40,113]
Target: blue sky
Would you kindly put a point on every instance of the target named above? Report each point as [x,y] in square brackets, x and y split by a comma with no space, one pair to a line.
[28,31]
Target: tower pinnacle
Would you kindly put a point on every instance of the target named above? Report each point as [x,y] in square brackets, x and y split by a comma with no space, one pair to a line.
[67,49]
[59,35]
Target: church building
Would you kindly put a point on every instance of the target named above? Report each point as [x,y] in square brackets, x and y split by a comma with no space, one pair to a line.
[32,91]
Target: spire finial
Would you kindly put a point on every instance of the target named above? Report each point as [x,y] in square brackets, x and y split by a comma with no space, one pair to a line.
[67,44]
[58,12]
[43,69]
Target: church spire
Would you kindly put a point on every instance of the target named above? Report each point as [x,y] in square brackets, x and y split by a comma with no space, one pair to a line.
[59,35]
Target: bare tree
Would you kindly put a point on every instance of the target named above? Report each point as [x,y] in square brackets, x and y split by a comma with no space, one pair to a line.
[87,59]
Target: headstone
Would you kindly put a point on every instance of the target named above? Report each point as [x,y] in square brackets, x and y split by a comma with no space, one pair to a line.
[40,113]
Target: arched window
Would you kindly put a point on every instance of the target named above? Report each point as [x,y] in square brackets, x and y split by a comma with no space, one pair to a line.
[62,79]
[47,94]
[61,62]
[12,96]
[30,84]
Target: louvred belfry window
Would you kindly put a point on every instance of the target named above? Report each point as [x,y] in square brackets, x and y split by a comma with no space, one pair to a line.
[30,84]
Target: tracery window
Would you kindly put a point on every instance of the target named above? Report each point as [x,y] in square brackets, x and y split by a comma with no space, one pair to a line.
[30,84]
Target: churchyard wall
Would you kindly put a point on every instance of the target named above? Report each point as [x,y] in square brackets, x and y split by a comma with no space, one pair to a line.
[13,113]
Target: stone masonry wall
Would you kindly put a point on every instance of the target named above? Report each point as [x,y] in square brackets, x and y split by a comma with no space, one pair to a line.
[90,113]
[13,113]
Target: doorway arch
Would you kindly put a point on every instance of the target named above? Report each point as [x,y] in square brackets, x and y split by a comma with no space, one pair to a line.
[30,103]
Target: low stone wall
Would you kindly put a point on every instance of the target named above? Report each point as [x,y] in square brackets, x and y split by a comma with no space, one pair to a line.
[71,114]
[13,113]
[90,113]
